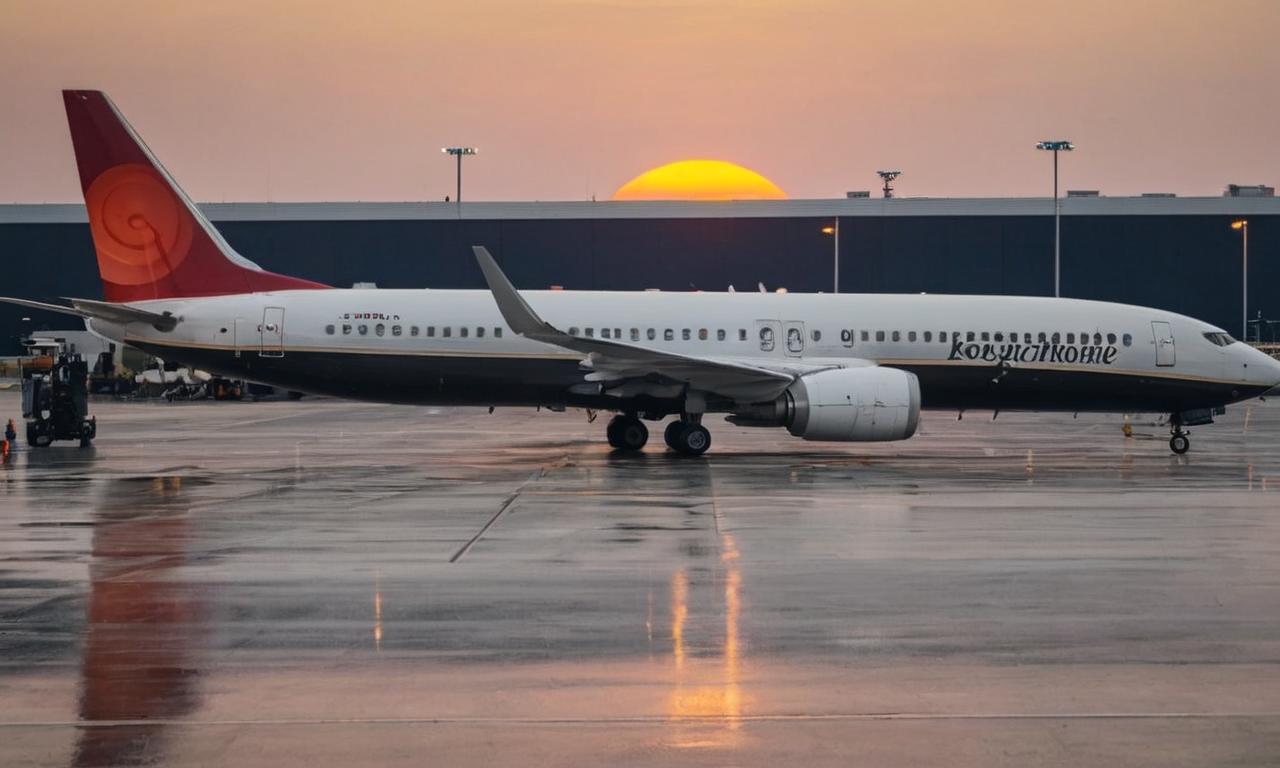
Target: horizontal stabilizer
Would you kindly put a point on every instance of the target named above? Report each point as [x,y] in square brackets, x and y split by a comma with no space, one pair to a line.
[112,313]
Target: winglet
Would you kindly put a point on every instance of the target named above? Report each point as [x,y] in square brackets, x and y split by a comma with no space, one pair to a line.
[515,310]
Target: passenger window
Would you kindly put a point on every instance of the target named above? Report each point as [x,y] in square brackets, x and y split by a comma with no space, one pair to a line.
[720,334]
[573,330]
[999,336]
[651,334]
[380,329]
[497,332]
[942,336]
[866,335]
[668,335]
[846,337]
[346,330]
[686,334]
[604,333]
[928,336]
[396,330]
[591,332]
[617,333]
[1043,339]
[463,331]
[363,330]
[413,330]
[1097,339]
[879,335]
[897,336]
[970,336]
[742,334]
[480,332]
[911,335]
[329,329]
[635,334]
[1056,338]
[986,336]
[1128,340]
[766,339]
[1111,339]
[1071,338]
[702,334]
[817,335]
[1026,338]
[431,331]
[446,331]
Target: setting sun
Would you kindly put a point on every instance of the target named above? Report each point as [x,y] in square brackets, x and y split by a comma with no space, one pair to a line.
[699,180]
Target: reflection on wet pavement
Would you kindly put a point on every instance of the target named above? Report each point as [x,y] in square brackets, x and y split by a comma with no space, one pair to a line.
[326,583]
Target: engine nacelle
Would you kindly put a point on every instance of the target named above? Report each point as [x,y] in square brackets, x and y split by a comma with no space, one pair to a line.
[845,405]
[855,405]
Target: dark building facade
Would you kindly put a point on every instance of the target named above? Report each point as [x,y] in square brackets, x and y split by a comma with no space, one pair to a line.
[1175,253]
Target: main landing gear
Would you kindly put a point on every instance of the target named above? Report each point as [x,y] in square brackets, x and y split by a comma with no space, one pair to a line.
[685,436]
[627,433]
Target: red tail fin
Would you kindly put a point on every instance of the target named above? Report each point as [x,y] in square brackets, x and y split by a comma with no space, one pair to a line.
[151,240]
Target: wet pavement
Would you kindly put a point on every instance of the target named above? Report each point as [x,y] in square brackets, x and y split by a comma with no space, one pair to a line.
[328,583]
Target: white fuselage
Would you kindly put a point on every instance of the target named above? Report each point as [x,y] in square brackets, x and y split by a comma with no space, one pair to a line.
[1052,344]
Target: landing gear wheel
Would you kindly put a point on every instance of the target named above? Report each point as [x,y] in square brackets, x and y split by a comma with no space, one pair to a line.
[693,440]
[1179,443]
[672,434]
[627,433]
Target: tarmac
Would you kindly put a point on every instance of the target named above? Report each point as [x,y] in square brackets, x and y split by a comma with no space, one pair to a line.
[323,583]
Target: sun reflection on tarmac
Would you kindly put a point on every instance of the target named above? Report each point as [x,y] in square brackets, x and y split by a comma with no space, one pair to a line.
[705,706]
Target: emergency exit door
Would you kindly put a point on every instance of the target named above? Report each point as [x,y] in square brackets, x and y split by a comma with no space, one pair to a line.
[1166,353]
[272,332]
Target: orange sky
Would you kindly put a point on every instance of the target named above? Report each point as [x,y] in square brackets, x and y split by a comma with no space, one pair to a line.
[569,98]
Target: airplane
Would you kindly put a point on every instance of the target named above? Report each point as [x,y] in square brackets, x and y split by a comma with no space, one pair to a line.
[826,367]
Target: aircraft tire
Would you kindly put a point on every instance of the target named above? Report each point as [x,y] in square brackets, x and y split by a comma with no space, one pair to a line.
[627,433]
[1179,444]
[672,434]
[694,440]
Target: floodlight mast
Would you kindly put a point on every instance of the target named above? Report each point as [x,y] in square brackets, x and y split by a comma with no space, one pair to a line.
[888,177]
[1055,147]
[1242,226]
[458,152]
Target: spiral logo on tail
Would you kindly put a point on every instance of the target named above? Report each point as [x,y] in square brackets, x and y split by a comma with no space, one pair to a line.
[141,230]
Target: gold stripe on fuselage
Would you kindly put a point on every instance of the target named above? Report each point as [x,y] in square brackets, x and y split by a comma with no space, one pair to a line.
[888,362]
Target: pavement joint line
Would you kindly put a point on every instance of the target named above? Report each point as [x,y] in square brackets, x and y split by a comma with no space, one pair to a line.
[465,548]
[649,719]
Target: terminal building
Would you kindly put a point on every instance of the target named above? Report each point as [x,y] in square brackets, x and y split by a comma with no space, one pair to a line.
[1176,253]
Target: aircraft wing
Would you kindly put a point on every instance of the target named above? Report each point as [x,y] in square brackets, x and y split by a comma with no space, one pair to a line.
[112,313]
[632,369]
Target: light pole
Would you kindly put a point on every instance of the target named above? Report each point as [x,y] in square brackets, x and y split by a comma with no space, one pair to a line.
[1243,226]
[1055,147]
[888,177]
[458,152]
[834,231]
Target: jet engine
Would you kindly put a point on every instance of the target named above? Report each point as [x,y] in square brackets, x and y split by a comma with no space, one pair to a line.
[844,405]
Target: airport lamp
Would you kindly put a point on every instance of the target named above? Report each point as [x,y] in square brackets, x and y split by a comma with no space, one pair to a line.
[458,153]
[1243,227]
[834,231]
[1055,147]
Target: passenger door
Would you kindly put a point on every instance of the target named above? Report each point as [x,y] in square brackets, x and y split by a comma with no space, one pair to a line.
[1162,333]
[272,332]
[794,342]
[768,337]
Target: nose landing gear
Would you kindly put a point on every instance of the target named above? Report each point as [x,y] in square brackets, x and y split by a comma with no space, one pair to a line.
[1179,443]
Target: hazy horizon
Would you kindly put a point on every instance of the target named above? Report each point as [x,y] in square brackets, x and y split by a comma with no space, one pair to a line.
[570,99]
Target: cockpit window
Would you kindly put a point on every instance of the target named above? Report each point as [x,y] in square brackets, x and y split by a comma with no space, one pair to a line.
[1220,338]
